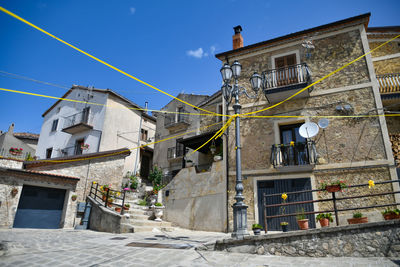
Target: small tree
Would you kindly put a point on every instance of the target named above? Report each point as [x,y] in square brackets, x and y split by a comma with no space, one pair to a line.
[155,177]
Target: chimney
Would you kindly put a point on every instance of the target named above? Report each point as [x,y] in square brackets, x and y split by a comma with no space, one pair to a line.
[11,129]
[237,39]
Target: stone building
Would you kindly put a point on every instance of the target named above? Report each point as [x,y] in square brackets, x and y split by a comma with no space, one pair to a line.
[24,142]
[386,63]
[354,149]
[97,120]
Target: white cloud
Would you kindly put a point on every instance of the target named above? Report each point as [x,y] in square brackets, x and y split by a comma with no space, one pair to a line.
[132,10]
[199,53]
[212,49]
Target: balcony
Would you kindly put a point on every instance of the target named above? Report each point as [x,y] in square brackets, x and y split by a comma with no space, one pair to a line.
[176,121]
[175,152]
[72,151]
[284,82]
[294,157]
[78,122]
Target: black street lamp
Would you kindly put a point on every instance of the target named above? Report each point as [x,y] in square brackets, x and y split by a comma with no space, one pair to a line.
[229,92]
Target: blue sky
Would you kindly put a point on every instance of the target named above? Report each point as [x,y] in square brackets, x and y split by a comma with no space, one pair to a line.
[169,44]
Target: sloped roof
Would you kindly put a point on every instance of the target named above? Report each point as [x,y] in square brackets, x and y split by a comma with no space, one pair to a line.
[105,91]
[26,135]
[363,17]
[29,172]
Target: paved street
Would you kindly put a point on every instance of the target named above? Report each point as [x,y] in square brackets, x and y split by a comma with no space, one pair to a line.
[32,247]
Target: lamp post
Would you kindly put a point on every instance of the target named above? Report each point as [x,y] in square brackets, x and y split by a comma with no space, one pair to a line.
[229,92]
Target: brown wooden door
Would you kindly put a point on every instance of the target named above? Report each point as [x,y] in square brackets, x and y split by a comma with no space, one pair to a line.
[286,72]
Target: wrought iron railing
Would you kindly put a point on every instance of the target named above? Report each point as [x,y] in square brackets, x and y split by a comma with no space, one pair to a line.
[334,200]
[290,75]
[81,117]
[389,83]
[173,119]
[108,196]
[301,153]
[175,152]
[73,150]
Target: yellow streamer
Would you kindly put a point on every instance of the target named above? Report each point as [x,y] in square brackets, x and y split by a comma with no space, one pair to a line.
[99,60]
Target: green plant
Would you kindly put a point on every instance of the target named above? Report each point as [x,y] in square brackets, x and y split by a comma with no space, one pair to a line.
[391,211]
[284,223]
[142,202]
[300,215]
[340,183]
[127,205]
[357,215]
[256,226]
[324,216]
[134,182]
[156,175]
[158,204]
[74,196]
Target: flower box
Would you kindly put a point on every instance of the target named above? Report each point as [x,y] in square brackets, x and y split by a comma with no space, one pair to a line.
[357,220]
[332,188]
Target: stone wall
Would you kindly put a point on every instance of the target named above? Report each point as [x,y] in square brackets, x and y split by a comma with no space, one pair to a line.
[388,49]
[380,239]
[104,170]
[9,203]
[197,200]
[387,66]
[11,163]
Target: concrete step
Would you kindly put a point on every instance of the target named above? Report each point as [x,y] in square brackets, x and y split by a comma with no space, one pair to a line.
[149,223]
[139,217]
[150,228]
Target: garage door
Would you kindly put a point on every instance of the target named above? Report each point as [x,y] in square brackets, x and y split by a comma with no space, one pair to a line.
[39,207]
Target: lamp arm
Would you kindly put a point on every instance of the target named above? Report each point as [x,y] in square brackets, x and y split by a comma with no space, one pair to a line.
[244,91]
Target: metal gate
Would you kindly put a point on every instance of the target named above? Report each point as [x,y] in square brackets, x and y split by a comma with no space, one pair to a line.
[284,186]
[39,207]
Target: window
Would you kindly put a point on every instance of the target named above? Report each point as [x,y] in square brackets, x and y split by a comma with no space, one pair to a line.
[79,146]
[179,115]
[85,115]
[54,126]
[291,133]
[286,71]
[219,111]
[144,135]
[295,149]
[48,152]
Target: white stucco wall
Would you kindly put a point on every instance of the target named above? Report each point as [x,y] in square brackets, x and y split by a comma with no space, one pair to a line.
[121,129]
[58,139]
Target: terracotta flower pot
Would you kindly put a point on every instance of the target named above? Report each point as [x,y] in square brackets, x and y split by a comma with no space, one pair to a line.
[126,208]
[357,220]
[73,198]
[332,188]
[391,216]
[303,224]
[324,222]
[118,209]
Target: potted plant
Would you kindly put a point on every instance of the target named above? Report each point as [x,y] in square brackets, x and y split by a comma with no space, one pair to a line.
[14,191]
[357,218]
[256,228]
[158,211]
[302,221]
[391,214]
[218,157]
[110,201]
[118,209]
[284,226]
[15,151]
[74,197]
[213,148]
[85,146]
[189,163]
[324,219]
[334,186]
[126,206]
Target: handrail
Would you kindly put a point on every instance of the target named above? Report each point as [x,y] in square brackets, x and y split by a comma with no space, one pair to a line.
[107,197]
[301,153]
[334,199]
[80,117]
[289,75]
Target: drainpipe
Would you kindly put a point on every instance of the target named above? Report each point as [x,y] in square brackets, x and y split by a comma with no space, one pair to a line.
[139,133]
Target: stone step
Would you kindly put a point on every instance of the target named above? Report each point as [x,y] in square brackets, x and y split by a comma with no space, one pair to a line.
[139,217]
[149,223]
[151,228]
[138,212]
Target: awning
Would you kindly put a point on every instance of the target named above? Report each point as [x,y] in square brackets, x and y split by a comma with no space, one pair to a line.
[195,142]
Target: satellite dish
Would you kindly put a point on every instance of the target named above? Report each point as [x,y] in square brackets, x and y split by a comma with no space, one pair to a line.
[308,130]
[323,123]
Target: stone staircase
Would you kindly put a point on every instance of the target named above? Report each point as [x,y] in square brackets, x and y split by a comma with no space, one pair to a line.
[140,218]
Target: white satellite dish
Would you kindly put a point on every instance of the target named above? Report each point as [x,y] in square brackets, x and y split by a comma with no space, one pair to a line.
[323,123]
[308,130]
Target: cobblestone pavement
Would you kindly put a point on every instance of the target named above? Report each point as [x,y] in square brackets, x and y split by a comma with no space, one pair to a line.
[33,247]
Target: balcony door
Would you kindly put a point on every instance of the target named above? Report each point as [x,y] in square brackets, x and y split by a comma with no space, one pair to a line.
[297,153]
[286,71]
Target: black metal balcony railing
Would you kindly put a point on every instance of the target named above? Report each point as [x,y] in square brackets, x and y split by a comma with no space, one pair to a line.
[175,152]
[389,83]
[73,150]
[81,117]
[174,119]
[291,155]
[291,75]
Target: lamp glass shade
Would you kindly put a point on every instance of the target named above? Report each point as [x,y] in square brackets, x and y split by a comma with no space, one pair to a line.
[226,92]
[226,73]
[255,81]
[236,68]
